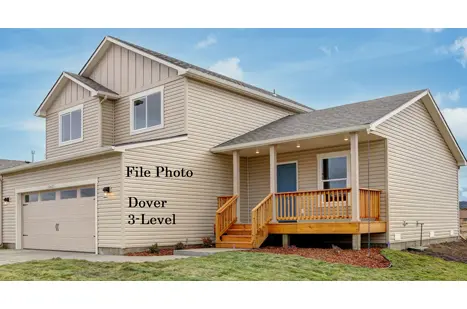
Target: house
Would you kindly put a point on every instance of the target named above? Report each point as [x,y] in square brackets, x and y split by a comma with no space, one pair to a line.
[463,211]
[144,148]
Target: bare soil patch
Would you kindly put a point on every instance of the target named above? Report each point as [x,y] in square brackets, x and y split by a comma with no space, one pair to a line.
[448,251]
[350,257]
[163,251]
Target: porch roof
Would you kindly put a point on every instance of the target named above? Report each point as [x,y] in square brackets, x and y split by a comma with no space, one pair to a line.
[351,117]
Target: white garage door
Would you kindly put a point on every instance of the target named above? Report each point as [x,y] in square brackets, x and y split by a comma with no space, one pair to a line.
[60,220]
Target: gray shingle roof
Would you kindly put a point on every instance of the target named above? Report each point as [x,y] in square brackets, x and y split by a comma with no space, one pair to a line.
[10,163]
[91,83]
[186,65]
[339,117]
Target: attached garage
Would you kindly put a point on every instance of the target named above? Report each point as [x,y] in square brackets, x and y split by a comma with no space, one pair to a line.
[62,219]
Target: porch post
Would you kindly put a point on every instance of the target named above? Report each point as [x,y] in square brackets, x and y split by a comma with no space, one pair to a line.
[355,184]
[236,180]
[273,179]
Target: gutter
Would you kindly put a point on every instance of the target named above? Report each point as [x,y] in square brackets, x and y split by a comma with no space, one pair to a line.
[291,138]
[198,75]
[61,159]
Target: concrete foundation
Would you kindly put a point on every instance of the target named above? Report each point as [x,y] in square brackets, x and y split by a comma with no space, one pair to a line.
[356,242]
[285,240]
[426,242]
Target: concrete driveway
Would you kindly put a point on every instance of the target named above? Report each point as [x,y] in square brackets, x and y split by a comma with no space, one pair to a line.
[10,256]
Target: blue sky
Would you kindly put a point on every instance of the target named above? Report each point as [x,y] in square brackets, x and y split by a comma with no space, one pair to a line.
[317,67]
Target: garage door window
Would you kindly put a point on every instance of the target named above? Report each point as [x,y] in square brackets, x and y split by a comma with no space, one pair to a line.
[48,196]
[87,192]
[67,194]
[31,198]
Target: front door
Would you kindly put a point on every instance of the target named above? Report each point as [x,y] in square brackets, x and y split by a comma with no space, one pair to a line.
[287,182]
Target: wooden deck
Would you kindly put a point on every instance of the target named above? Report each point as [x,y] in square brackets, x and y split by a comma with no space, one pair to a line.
[326,227]
[308,212]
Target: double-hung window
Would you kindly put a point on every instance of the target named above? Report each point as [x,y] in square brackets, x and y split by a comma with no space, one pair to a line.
[334,170]
[147,111]
[71,125]
[334,173]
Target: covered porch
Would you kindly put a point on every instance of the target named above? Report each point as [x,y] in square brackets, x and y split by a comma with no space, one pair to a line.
[332,184]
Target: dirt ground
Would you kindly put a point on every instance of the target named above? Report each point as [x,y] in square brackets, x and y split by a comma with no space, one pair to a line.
[163,251]
[449,251]
[336,255]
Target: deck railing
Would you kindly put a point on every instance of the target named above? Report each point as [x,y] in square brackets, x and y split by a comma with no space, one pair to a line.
[221,200]
[226,215]
[314,205]
[325,204]
[374,197]
[260,217]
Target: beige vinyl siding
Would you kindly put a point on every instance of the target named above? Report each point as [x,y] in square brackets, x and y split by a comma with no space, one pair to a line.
[214,116]
[104,168]
[258,176]
[422,176]
[107,109]
[174,114]
[124,71]
[90,130]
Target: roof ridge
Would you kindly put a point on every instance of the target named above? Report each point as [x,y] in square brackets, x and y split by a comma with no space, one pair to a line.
[368,101]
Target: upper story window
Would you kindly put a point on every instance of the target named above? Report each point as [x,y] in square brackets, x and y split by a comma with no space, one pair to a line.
[71,125]
[147,111]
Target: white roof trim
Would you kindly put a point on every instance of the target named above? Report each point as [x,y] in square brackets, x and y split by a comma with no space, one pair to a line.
[79,82]
[225,83]
[61,159]
[286,139]
[376,123]
[41,112]
[444,129]
[84,72]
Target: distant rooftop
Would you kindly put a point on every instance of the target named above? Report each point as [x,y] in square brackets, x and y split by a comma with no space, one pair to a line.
[4,163]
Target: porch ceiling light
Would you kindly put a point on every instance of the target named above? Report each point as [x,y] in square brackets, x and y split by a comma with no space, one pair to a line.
[298,145]
[257,150]
[346,139]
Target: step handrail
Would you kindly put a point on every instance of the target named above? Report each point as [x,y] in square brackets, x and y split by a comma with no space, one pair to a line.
[261,215]
[226,216]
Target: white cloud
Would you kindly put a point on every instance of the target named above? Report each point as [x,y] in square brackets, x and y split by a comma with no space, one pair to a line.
[229,67]
[456,119]
[210,40]
[28,125]
[458,48]
[329,50]
[436,30]
[452,96]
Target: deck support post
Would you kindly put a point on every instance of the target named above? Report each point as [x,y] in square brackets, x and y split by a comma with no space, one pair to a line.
[356,242]
[236,180]
[354,177]
[285,240]
[273,179]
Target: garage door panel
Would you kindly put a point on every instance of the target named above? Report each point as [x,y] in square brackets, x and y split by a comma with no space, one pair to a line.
[44,242]
[67,224]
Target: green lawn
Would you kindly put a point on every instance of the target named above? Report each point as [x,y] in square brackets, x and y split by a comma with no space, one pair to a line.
[238,266]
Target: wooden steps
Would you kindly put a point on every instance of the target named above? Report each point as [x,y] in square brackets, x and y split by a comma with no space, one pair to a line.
[237,236]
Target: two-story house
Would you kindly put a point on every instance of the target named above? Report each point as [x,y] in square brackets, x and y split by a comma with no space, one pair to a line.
[142,148]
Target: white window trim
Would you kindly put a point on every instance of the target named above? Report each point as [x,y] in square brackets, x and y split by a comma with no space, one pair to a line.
[66,111]
[141,95]
[330,155]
